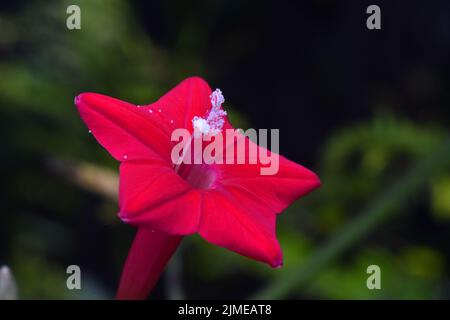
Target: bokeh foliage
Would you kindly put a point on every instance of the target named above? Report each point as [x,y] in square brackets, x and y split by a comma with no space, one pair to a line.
[51,219]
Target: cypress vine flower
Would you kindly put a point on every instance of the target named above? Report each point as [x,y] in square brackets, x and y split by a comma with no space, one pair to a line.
[231,205]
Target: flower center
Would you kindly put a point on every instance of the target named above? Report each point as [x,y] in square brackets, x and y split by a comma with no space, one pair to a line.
[200,176]
[203,176]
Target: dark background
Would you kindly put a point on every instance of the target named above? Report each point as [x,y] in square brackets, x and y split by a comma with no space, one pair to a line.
[365,109]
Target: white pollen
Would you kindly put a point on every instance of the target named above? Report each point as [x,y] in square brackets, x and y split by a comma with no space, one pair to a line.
[201,126]
[215,120]
[217,99]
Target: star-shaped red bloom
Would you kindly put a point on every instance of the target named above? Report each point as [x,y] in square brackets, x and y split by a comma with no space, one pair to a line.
[229,205]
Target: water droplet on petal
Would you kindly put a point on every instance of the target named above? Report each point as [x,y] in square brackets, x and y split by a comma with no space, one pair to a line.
[159,110]
[171,121]
[125,157]
[151,111]
[90,131]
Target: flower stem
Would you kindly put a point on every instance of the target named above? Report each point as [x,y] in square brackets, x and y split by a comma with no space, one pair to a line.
[147,258]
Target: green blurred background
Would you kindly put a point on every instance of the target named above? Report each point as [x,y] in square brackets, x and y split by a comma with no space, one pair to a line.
[367,110]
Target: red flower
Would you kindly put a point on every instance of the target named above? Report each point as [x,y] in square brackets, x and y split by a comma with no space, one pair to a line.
[230,205]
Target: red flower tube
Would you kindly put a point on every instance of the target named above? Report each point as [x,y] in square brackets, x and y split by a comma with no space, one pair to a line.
[229,205]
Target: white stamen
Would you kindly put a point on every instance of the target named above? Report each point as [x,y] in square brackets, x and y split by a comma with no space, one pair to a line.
[201,126]
[217,99]
[214,122]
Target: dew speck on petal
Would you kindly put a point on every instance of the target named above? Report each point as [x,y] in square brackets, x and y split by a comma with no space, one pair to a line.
[125,157]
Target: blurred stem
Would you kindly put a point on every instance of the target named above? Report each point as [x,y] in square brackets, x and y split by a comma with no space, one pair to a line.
[382,207]
[174,287]
[8,287]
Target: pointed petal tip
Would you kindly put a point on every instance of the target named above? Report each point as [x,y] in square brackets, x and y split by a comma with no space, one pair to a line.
[82,97]
[317,181]
[278,263]
[313,180]
[197,82]
[311,175]
[196,79]
[86,97]
[76,99]
[273,256]
[277,266]
[123,218]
